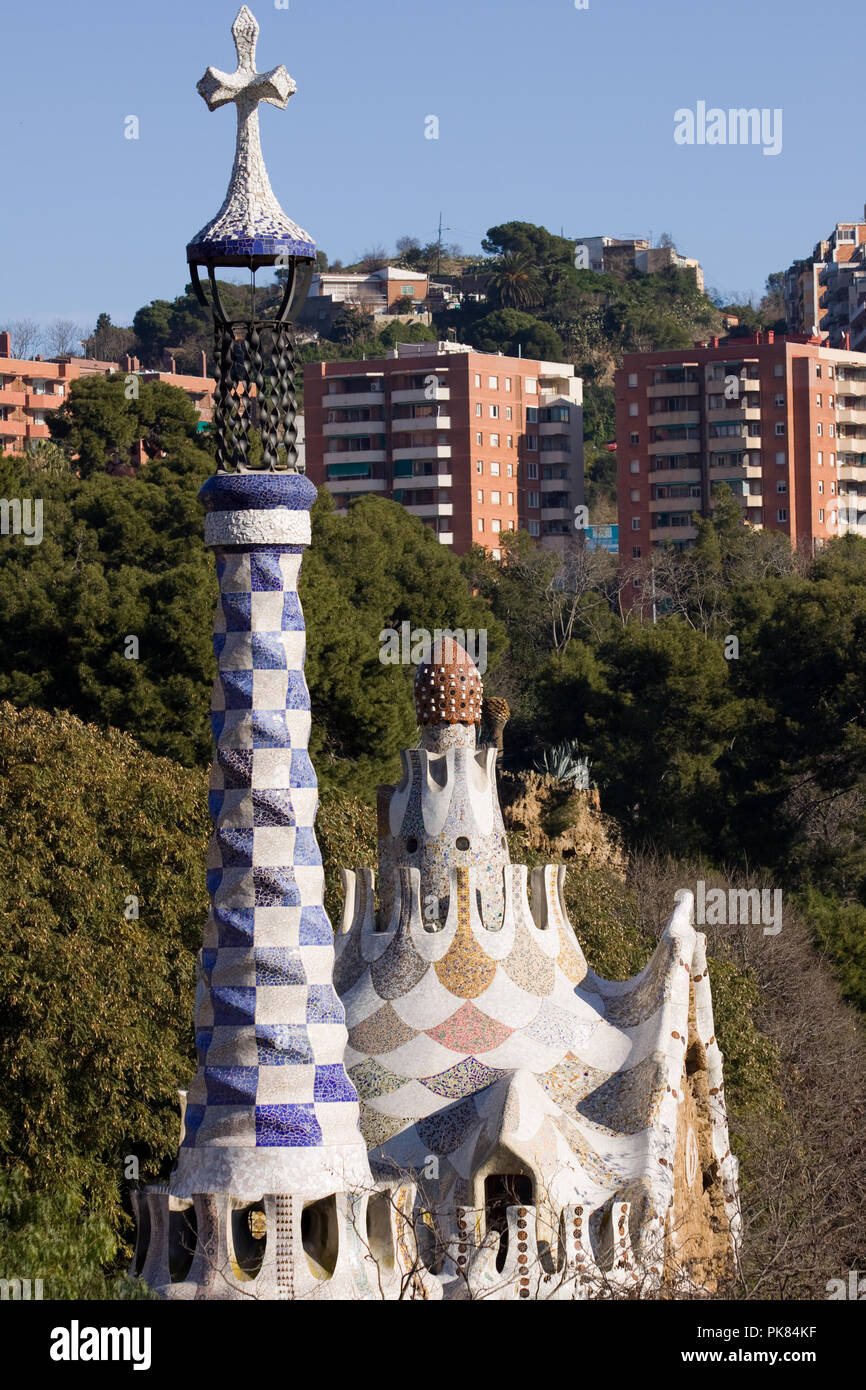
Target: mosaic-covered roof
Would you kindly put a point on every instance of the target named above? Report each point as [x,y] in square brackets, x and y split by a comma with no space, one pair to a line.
[448,688]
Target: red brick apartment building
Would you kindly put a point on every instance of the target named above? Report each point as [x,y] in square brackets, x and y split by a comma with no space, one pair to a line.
[29,390]
[473,443]
[781,420]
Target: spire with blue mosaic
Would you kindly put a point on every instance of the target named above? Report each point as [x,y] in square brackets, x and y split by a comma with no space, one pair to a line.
[271,1109]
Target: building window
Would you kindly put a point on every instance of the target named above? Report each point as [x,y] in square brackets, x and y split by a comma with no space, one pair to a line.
[493,383]
[508,412]
[494,412]
[778,369]
[780,458]
[479,437]
[479,466]
[535,528]
[632,378]
[480,495]
[477,407]
[817,368]
[832,430]
[820,487]
[407,290]
[481,523]
[819,429]
[634,466]
[782,514]
[495,498]
[497,554]
[511,499]
[818,399]
[532,471]
[509,469]
[477,378]
[831,372]
[635,552]
[633,408]
[532,414]
[832,489]
[780,427]
[494,470]
[783,487]
[820,513]
[634,438]
[779,400]
[634,495]
[534,500]
[531,386]
[509,441]
[532,442]
[832,460]
[831,401]
[494,441]
[495,524]
[635,523]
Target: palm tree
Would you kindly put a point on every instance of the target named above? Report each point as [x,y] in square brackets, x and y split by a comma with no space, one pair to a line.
[515,282]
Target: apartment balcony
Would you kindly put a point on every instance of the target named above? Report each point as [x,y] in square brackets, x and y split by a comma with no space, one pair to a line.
[676,475]
[425,451]
[730,414]
[549,427]
[549,484]
[422,422]
[430,508]
[856,429]
[335,401]
[357,484]
[715,384]
[350,427]
[13,429]
[674,533]
[359,456]
[850,388]
[10,397]
[557,514]
[733,443]
[418,395]
[674,388]
[851,415]
[555,456]
[735,470]
[667,504]
[41,400]
[664,446]
[847,472]
[660,418]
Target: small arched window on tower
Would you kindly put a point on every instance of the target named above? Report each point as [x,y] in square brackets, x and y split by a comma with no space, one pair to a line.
[182,1234]
[249,1238]
[320,1236]
[501,1191]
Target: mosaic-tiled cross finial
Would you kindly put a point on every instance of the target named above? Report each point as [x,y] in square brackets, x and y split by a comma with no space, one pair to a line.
[250,220]
[245,86]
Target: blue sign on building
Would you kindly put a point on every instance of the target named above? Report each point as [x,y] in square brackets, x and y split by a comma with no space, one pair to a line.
[603,538]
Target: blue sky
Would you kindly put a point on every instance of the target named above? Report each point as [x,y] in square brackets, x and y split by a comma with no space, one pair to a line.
[546,114]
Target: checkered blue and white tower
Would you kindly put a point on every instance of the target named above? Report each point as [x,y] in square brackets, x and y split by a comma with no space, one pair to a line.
[271,1109]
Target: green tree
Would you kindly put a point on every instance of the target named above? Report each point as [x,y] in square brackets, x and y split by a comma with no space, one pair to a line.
[97,422]
[515,283]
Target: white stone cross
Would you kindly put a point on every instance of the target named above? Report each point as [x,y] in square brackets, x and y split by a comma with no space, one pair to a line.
[245,86]
[250,202]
